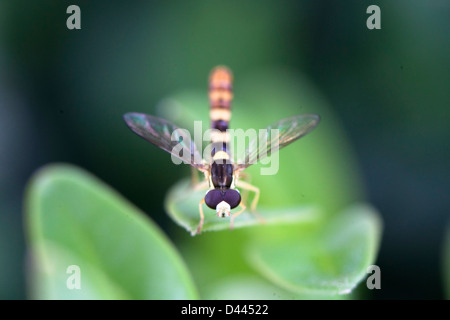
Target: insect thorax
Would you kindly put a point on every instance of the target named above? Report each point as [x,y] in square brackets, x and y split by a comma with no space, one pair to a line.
[221,175]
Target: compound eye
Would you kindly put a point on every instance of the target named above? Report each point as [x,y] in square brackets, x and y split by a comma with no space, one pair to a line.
[213,198]
[232,197]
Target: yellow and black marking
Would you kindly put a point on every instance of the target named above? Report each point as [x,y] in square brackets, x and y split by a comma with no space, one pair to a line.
[220,96]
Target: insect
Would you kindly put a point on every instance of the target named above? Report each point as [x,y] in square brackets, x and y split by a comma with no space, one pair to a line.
[221,172]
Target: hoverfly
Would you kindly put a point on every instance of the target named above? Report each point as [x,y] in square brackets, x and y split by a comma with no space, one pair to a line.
[221,172]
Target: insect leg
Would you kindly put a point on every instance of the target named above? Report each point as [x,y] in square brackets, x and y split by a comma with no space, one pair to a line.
[234,215]
[247,186]
[200,225]
[247,178]
[201,186]
[244,176]
[194,176]
[195,181]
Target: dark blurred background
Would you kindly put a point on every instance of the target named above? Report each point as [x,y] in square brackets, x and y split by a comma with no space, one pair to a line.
[63,93]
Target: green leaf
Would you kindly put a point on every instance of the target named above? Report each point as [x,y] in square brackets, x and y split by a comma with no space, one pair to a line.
[241,287]
[330,259]
[182,205]
[73,219]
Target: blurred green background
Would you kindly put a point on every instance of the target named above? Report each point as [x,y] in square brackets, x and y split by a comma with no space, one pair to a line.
[63,93]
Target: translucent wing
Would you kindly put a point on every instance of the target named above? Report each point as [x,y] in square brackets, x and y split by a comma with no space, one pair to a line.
[167,136]
[275,137]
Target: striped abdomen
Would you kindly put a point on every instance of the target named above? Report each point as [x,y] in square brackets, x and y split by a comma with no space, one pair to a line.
[220,96]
